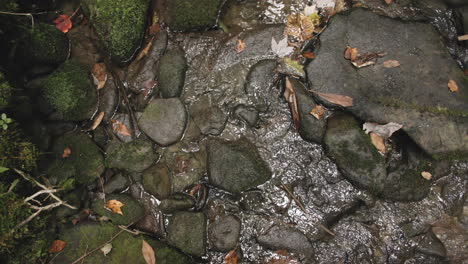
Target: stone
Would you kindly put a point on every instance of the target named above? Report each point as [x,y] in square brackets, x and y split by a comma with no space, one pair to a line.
[414,94]
[260,82]
[224,233]
[247,114]
[134,156]
[157,181]
[188,15]
[235,166]
[208,116]
[131,210]
[117,183]
[281,237]
[164,121]
[176,202]
[186,231]
[171,73]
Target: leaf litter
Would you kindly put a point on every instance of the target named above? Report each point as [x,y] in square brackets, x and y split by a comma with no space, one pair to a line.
[148,253]
[114,206]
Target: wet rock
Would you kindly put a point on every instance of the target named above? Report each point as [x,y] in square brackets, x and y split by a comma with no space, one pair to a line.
[171,73]
[108,99]
[224,233]
[432,116]
[429,244]
[310,128]
[164,121]
[365,167]
[186,231]
[208,116]
[131,210]
[135,156]
[246,114]
[259,81]
[186,168]
[252,200]
[157,181]
[100,136]
[69,91]
[455,3]
[410,10]
[153,223]
[454,237]
[186,15]
[84,165]
[126,121]
[117,183]
[176,202]
[236,166]
[119,24]
[281,237]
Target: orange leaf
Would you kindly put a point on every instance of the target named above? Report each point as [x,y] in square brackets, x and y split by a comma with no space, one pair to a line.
[66,153]
[231,257]
[97,121]
[120,128]
[148,253]
[341,100]
[308,55]
[388,1]
[240,46]
[453,87]
[99,74]
[347,53]
[114,206]
[378,142]
[57,246]
[63,23]
[318,111]
[145,50]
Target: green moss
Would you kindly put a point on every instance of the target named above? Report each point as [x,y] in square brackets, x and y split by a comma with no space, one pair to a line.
[456,155]
[134,156]
[70,92]
[187,15]
[131,211]
[5,92]
[119,23]
[16,151]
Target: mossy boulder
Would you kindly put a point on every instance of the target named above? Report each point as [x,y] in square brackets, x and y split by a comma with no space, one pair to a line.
[171,73]
[5,92]
[188,15]
[120,25]
[187,231]
[126,248]
[69,91]
[157,181]
[134,156]
[131,211]
[84,164]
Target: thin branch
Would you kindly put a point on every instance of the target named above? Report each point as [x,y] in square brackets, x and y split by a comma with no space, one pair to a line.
[39,193]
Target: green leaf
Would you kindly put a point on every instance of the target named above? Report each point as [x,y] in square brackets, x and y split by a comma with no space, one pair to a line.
[5,126]
[3,169]
[4,116]
[8,120]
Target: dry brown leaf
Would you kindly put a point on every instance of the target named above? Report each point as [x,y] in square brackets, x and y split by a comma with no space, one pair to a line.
[106,249]
[337,99]
[148,253]
[240,46]
[318,111]
[194,190]
[230,258]
[99,73]
[97,121]
[290,96]
[384,131]
[378,142]
[453,87]
[426,175]
[347,53]
[145,50]
[57,246]
[463,38]
[120,128]
[308,55]
[66,153]
[391,64]
[114,206]
[388,1]
[354,54]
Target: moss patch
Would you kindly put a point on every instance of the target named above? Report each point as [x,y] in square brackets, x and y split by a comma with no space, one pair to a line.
[131,211]
[185,15]
[134,156]
[5,92]
[16,151]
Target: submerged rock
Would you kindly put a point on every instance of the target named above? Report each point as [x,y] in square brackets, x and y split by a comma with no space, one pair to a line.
[134,156]
[236,166]
[186,231]
[177,202]
[164,121]
[131,210]
[246,114]
[157,181]
[414,94]
[186,15]
[259,82]
[208,116]
[171,73]
[224,233]
[282,237]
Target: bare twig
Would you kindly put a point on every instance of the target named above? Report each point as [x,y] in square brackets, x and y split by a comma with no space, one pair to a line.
[30,15]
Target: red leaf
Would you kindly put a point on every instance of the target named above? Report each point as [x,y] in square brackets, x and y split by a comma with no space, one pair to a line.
[63,23]
[66,152]
[57,246]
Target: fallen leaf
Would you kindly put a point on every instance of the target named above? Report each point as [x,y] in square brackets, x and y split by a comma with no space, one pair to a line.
[384,131]
[114,206]
[366,59]
[194,190]
[99,74]
[347,53]
[63,23]
[148,253]
[318,111]
[289,66]
[97,120]
[145,50]
[354,54]
[281,48]
[66,153]
[388,1]
[240,46]
[290,96]
[300,27]
[378,142]
[120,128]
[426,175]
[230,258]
[337,99]
[309,10]
[308,55]
[57,246]
[106,249]
[391,64]
[453,87]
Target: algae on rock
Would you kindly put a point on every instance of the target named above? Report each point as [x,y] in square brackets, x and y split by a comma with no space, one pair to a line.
[131,210]
[186,15]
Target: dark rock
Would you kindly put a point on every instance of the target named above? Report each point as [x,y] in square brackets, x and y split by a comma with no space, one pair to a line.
[186,15]
[108,100]
[455,3]
[134,156]
[186,168]
[208,116]
[454,238]
[260,82]
[281,237]
[176,202]
[131,210]
[224,233]
[236,166]
[408,10]
[252,200]
[246,114]
[117,183]
[171,73]
[164,121]
[186,231]
[157,181]
[414,94]
[429,244]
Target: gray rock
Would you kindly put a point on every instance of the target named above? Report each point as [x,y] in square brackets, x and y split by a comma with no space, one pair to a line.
[171,73]
[259,82]
[117,183]
[429,244]
[224,233]
[247,114]
[164,121]
[176,202]
[134,156]
[187,15]
[157,181]
[414,94]
[286,238]
[208,116]
[235,166]
[186,231]
[108,100]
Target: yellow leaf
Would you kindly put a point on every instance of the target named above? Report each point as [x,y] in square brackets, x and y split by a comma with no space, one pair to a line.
[378,142]
[148,253]
[114,206]
[453,87]
[318,111]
